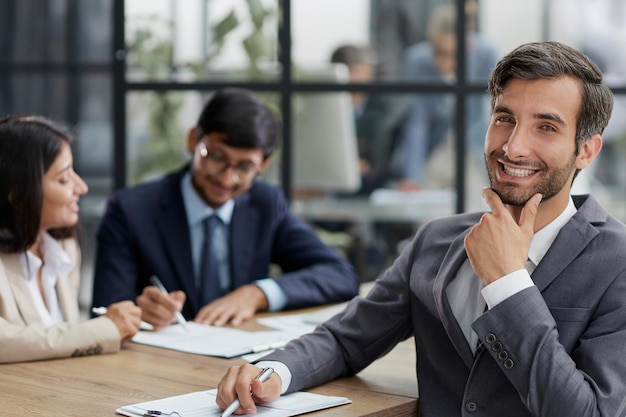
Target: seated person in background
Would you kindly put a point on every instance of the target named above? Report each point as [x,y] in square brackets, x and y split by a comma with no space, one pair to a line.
[516,312]
[157,229]
[376,117]
[368,255]
[39,253]
[360,65]
[431,116]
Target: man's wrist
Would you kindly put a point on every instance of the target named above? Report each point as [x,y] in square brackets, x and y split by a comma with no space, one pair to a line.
[281,370]
[275,297]
[505,287]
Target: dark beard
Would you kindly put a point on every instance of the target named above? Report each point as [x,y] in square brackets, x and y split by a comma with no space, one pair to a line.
[552,181]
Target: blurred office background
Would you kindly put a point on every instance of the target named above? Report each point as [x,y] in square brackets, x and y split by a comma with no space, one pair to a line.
[130,77]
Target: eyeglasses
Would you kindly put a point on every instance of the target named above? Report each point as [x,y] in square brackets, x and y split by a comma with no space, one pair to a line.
[216,164]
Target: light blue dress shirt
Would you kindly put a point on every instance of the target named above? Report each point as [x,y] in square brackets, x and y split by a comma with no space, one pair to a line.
[197,210]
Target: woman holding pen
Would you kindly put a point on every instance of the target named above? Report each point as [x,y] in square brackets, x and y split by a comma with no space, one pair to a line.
[39,253]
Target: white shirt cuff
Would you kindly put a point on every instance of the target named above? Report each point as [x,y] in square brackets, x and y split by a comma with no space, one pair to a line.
[276,297]
[281,369]
[508,285]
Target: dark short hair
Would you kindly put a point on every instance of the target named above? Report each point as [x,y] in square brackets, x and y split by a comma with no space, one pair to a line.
[243,118]
[29,145]
[351,55]
[539,60]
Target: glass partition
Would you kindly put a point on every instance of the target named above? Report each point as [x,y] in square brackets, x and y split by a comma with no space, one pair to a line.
[56,58]
[199,40]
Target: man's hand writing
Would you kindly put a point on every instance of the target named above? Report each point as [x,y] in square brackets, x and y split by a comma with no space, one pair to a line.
[240,383]
[498,245]
[159,309]
[233,308]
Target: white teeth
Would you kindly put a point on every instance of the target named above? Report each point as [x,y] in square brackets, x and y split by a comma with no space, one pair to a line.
[517,172]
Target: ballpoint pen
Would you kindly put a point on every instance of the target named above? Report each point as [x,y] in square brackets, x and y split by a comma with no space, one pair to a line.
[179,317]
[263,376]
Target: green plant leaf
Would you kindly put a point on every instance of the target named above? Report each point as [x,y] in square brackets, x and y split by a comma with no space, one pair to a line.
[226,25]
[257,13]
[257,46]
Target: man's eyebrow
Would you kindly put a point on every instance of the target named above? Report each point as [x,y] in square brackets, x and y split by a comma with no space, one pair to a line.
[223,153]
[539,116]
[552,117]
[502,109]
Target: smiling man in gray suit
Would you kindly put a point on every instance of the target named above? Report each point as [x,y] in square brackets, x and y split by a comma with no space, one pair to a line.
[520,311]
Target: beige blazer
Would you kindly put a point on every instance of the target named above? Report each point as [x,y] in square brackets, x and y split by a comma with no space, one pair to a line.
[22,335]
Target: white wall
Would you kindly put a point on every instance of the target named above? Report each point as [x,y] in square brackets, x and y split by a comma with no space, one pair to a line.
[319,26]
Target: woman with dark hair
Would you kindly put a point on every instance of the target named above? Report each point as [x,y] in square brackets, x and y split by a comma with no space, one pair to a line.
[39,253]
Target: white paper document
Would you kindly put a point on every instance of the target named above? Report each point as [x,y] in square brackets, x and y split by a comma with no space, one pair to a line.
[302,323]
[214,341]
[202,404]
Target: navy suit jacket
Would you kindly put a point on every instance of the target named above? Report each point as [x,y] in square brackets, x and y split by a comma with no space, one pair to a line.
[553,350]
[144,232]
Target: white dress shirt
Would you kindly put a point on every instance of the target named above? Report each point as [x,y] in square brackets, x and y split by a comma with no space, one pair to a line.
[55,262]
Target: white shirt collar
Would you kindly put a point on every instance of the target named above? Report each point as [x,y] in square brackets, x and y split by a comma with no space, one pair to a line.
[542,240]
[196,208]
[55,261]
[53,255]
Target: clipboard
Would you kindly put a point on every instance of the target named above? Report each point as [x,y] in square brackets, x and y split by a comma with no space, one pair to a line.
[202,404]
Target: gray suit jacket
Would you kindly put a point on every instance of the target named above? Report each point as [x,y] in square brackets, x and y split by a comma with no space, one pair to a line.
[553,350]
[24,338]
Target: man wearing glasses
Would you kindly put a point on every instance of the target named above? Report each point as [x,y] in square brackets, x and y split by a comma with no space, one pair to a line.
[211,230]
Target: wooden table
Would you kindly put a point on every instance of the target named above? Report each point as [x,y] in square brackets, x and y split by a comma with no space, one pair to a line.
[97,385]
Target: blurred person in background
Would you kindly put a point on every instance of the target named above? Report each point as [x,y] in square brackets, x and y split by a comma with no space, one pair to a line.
[431,115]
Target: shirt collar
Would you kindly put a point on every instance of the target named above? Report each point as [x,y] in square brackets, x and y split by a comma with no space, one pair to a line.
[196,208]
[53,256]
[542,240]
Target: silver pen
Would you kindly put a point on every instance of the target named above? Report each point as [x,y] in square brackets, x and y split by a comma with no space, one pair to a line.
[179,317]
[263,376]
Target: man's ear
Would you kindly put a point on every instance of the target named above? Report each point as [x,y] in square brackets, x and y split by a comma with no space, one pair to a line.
[589,149]
[266,163]
[192,140]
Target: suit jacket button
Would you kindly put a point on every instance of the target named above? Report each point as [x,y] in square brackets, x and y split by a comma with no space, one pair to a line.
[508,363]
[496,346]
[471,406]
[490,338]
[502,355]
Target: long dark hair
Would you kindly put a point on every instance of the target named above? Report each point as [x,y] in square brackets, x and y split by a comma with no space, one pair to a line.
[29,145]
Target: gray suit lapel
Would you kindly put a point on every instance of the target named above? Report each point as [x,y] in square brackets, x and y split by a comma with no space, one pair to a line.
[450,266]
[569,243]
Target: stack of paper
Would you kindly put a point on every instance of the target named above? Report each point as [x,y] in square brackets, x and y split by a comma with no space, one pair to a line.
[214,341]
[202,404]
